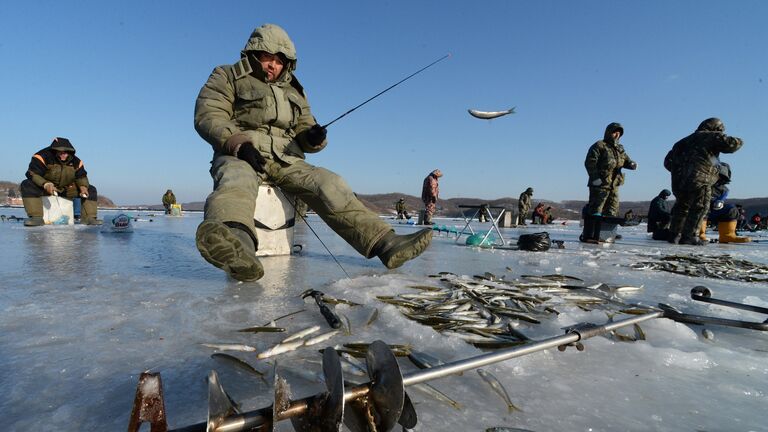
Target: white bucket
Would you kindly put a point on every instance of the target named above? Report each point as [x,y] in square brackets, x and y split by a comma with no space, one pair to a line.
[58,210]
[274,217]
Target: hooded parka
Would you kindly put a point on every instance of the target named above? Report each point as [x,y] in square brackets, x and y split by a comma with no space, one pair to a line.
[237,105]
[693,164]
[604,162]
[523,205]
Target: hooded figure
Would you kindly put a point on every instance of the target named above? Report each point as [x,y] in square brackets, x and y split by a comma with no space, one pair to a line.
[659,215]
[55,170]
[523,205]
[256,117]
[169,199]
[693,165]
[604,162]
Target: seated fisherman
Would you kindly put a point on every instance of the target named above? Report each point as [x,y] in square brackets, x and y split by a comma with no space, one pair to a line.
[55,170]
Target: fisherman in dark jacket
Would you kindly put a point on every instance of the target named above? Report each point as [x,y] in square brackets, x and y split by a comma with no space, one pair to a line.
[659,215]
[692,163]
[55,170]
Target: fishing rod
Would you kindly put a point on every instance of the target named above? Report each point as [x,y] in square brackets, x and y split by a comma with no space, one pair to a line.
[385,383]
[388,89]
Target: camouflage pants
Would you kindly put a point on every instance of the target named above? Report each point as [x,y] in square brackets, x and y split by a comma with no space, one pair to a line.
[521,212]
[691,206]
[236,186]
[429,210]
[603,201]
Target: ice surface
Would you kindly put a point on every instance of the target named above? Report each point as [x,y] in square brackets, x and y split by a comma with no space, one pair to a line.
[83,313]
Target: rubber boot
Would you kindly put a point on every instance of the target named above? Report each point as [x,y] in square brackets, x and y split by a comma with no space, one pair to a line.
[693,240]
[727,232]
[588,232]
[88,212]
[394,250]
[230,249]
[703,231]
[34,208]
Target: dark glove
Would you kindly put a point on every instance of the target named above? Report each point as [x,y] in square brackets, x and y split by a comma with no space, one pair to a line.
[316,135]
[248,153]
[630,165]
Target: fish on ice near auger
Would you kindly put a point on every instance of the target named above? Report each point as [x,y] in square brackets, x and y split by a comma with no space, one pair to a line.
[490,115]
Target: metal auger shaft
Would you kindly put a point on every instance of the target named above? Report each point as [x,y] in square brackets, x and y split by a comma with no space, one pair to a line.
[255,419]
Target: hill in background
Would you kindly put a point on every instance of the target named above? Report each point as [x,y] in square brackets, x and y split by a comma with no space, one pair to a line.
[384,204]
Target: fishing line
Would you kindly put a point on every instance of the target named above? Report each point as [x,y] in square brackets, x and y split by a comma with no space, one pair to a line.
[388,89]
[319,239]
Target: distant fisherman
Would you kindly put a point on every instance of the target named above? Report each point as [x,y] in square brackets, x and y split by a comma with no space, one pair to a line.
[659,215]
[255,115]
[55,170]
[523,205]
[430,190]
[169,199]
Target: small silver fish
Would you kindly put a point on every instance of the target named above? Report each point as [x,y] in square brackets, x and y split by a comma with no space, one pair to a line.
[280,348]
[708,335]
[498,388]
[437,394]
[372,318]
[320,338]
[488,115]
[230,347]
[301,334]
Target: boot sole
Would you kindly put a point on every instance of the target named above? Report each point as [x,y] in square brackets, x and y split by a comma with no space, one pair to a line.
[220,247]
[399,258]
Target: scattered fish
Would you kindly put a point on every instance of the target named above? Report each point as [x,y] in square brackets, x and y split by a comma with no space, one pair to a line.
[715,267]
[437,394]
[374,315]
[272,322]
[280,348]
[301,334]
[708,335]
[498,388]
[320,338]
[262,329]
[229,347]
[347,325]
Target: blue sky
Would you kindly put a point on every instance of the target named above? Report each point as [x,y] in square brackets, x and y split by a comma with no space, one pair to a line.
[119,79]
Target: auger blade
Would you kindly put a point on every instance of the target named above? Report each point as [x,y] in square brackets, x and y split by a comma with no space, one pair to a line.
[408,418]
[220,405]
[282,398]
[325,411]
[148,405]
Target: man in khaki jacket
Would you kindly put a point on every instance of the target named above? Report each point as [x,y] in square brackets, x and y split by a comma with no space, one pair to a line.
[256,117]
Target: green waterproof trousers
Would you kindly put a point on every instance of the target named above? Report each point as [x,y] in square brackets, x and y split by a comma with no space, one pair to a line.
[236,185]
[603,201]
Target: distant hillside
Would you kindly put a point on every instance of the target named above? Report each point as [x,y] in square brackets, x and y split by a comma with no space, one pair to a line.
[11,189]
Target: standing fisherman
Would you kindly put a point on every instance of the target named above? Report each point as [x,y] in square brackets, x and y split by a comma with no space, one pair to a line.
[430,190]
[693,163]
[523,205]
[256,117]
[604,162]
